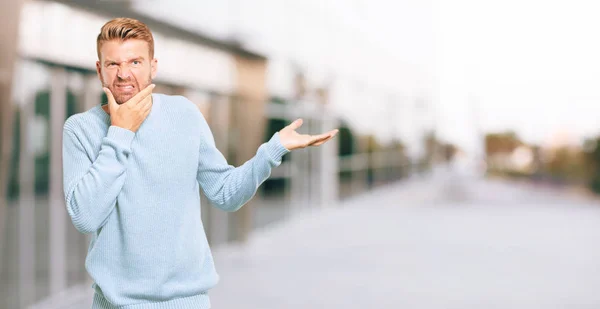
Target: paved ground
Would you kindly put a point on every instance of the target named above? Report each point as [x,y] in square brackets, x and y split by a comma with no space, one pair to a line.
[455,242]
[449,241]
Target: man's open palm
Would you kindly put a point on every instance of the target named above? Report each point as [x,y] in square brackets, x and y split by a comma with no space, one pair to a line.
[293,140]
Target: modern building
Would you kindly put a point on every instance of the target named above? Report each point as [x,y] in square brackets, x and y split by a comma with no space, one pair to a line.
[246,95]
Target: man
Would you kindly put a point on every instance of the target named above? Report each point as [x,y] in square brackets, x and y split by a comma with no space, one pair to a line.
[132,173]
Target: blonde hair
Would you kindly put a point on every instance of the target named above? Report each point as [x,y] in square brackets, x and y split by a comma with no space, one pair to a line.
[124,29]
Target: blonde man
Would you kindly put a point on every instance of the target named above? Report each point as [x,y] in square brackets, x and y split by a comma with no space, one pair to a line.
[132,173]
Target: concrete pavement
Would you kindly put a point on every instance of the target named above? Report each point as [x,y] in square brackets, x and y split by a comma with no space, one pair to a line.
[449,242]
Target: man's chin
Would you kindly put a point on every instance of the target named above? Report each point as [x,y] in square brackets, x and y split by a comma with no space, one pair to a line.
[124,98]
[123,101]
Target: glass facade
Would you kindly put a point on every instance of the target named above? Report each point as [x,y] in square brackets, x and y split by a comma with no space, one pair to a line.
[44,254]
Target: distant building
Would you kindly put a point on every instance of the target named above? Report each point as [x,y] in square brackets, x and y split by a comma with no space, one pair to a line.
[245,95]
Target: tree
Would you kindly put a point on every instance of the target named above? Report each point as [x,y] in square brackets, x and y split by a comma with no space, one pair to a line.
[503,143]
[346,140]
[566,164]
[592,156]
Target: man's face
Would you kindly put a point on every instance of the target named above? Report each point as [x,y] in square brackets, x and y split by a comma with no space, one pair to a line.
[125,68]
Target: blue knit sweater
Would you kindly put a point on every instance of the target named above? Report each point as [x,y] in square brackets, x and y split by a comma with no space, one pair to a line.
[138,195]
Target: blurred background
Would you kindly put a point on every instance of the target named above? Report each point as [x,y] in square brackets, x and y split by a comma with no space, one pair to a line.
[466,173]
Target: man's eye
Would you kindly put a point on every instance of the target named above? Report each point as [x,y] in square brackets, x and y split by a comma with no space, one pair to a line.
[136,62]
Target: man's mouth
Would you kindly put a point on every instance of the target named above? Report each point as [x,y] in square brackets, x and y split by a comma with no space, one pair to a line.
[125,87]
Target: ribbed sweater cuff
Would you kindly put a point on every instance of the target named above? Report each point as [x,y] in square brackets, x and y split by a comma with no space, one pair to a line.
[121,136]
[200,301]
[275,149]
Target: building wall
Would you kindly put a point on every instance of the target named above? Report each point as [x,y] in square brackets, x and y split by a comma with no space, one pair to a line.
[54,77]
[9,14]
[370,53]
[64,35]
[250,123]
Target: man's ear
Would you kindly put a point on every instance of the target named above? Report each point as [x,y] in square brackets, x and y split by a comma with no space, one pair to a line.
[154,67]
[99,71]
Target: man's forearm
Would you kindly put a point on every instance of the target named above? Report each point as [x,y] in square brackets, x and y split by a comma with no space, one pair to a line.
[229,188]
[91,188]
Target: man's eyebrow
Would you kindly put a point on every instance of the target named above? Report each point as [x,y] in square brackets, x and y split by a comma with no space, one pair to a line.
[129,60]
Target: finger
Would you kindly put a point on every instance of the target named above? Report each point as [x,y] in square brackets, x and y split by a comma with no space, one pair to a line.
[146,112]
[320,137]
[145,94]
[146,103]
[315,139]
[147,106]
[319,141]
[296,124]
[333,132]
[140,96]
[112,104]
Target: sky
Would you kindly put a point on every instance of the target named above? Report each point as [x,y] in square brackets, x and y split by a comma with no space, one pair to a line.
[530,66]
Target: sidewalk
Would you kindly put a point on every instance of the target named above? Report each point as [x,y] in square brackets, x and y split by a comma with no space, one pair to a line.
[328,259]
[438,242]
[403,247]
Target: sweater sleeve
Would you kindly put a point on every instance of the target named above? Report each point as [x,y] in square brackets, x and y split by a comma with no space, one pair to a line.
[228,187]
[91,188]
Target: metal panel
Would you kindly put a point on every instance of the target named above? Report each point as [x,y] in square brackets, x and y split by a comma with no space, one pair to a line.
[26,209]
[58,213]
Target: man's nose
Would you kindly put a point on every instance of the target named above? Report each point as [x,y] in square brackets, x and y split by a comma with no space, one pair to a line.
[124,72]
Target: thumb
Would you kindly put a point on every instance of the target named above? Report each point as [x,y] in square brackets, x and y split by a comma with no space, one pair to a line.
[296,124]
[112,104]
